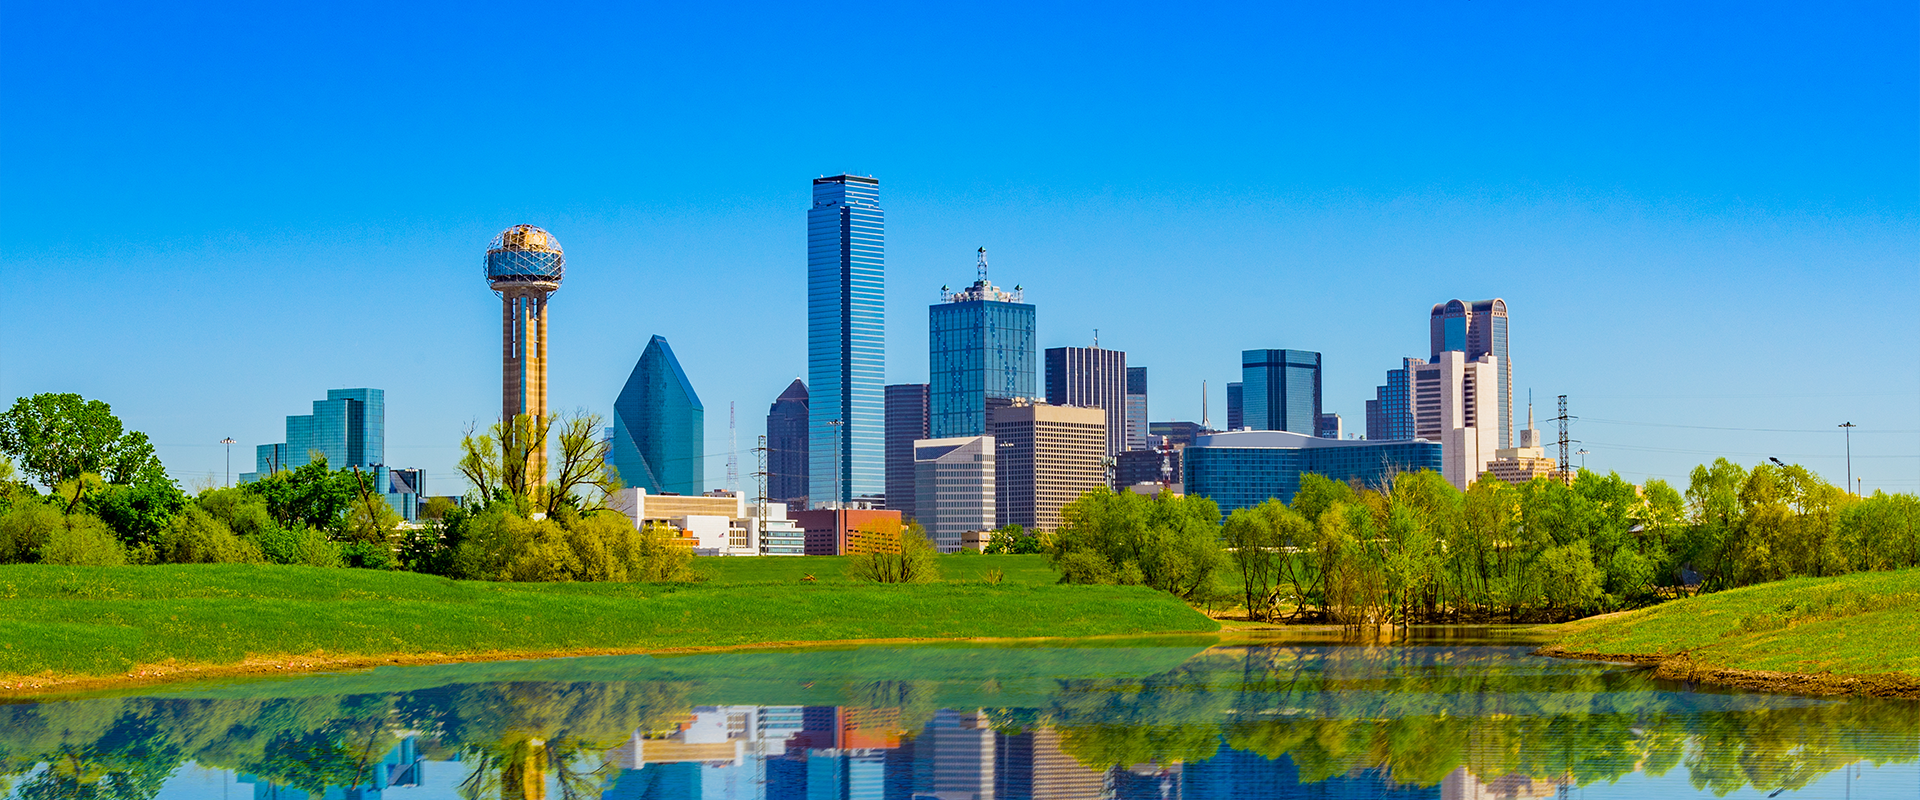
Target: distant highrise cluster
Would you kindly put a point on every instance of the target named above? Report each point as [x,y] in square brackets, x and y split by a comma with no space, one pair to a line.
[349,431]
[1460,396]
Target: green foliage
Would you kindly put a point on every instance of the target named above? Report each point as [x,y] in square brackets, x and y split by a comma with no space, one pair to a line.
[894,555]
[311,496]
[197,537]
[301,546]
[496,544]
[59,437]
[140,511]
[1165,542]
[82,541]
[1014,540]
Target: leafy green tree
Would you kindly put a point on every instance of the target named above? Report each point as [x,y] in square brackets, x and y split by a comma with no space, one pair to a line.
[138,512]
[1166,542]
[59,437]
[197,537]
[311,496]
[1014,540]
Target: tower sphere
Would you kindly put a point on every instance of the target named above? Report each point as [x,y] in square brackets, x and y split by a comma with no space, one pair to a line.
[525,254]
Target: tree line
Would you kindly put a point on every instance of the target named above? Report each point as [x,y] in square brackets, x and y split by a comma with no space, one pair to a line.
[1418,550]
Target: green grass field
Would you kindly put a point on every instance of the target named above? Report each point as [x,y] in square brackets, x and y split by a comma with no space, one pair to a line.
[1023,570]
[106,620]
[1862,624]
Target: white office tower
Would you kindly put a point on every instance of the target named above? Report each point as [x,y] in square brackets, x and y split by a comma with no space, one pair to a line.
[1455,403]
[953,488]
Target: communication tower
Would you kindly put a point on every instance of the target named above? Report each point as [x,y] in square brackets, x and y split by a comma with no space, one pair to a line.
[733,451]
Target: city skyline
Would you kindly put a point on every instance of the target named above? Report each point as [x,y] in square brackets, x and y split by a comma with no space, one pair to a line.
[1669,209]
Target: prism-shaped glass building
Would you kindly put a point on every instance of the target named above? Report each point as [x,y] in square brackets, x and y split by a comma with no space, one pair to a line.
[659,427]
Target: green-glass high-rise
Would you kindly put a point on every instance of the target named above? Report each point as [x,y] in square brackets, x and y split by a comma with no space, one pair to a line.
[659,427]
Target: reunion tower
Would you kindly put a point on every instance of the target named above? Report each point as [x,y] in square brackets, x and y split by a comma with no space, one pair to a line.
[524,266]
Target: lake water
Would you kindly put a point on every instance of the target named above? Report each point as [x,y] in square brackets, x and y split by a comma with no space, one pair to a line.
[1185,718]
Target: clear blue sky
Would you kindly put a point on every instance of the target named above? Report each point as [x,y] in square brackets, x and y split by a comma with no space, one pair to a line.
[1701,215]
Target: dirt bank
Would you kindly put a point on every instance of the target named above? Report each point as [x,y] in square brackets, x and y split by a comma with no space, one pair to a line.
[1825,684]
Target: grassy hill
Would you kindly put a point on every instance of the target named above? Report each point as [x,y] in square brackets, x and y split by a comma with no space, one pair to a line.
[1854,626]
[101,621]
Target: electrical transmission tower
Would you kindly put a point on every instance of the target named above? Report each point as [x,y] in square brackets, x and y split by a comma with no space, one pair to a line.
[733,452]
[1566,458]
[760,489]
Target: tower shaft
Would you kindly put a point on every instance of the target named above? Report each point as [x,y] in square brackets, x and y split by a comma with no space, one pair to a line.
[523,365]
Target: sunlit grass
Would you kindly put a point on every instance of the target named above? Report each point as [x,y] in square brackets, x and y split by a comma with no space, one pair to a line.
[1861,624]
[105,620]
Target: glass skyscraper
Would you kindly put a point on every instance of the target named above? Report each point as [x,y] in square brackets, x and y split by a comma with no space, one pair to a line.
[906,424]
[1478,328]
[1390,413]
[659,432]
[981,344]
[1280,390]
[1136,408]
[846,348]
[787,446]
[348,429]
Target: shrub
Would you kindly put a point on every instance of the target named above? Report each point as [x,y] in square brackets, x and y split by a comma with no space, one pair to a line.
[893,555]
[24,528]
[1166,542]
[304,546]
[196,537]
[83,541]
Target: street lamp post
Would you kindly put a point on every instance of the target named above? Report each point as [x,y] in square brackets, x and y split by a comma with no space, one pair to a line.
[1582,453]
[839,511]
[1848,428]
[229,443]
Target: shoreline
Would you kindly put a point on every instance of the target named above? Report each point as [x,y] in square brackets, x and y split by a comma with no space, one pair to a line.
[1680,667]
[34,688]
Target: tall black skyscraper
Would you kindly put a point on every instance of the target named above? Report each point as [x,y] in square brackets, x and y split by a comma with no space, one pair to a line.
[1136,408]
[906,422]
[787,447]
[1236,410]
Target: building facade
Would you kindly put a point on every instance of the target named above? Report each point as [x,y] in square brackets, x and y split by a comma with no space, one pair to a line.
[906,424]
[1475,329]
[981,346]
[1451,405]
[1146,466]
[1236,406]
[1390,412]
[1280,390]
[1047,456]
[1242,469]
[954,488]
[838,531]
[1136,408]
[659,427]
[846,351]
[1091,377]
[1331,427]
[525,266]
[349,431]
[787,451]
[1517,465]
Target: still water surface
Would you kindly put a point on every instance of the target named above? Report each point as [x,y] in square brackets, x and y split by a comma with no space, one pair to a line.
[1163,719]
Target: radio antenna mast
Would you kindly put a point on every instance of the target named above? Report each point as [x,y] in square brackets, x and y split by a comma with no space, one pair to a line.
[733,451]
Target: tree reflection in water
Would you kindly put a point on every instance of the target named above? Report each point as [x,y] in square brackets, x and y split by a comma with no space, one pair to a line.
[1250,719]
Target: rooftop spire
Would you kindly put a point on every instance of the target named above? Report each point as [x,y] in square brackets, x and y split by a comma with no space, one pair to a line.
[981,265]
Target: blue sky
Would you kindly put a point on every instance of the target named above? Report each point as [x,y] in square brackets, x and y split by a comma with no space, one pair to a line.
[1703,216]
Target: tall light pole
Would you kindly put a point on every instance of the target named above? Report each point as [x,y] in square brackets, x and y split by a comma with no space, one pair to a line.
[836,424]
[1582,453]
[229,443]
[1848,427]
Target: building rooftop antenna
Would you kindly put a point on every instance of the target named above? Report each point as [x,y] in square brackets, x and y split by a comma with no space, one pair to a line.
[733,451]
[1204,423]
[981,266]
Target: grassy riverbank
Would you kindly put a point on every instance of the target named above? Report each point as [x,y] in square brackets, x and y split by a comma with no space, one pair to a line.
[67,623]
[1856,633]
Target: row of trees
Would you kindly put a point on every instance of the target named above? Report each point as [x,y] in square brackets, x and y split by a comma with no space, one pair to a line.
[1417,549]
[111,503]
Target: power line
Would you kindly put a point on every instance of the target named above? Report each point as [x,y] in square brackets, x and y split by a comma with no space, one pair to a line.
[1722,428]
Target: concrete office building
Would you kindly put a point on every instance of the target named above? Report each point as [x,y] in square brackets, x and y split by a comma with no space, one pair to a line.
[1331,427]
[1047,456]
[1236,406]
[1451,405]
[1390,413]
[1280,390]
[1517,465]
[349,430]
[954,488]
[906,424]
[1476,329]
[1090,377]
[1242,469]
[846,348]
[981,347]
[1136,408]
[525,266]
[718,524]
[659,426]
[787,451]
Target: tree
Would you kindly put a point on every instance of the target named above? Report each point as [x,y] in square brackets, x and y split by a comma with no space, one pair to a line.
[311,496]
[496,464]
[1014,540]
[1166,542]
[59,437]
